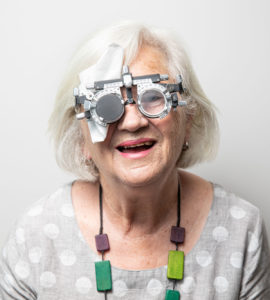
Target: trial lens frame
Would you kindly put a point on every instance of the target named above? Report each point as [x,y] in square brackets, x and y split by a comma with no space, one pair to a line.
[103,102]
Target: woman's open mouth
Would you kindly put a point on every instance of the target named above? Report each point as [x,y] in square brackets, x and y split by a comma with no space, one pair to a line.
[136,148]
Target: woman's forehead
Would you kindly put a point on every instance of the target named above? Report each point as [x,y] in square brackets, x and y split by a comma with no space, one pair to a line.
[149,60]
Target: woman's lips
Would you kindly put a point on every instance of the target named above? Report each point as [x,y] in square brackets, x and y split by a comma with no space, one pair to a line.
[136,148]
[135,142]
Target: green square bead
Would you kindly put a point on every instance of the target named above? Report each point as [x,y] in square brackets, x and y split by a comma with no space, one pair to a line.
[175,265]
[172,295]
[103,275]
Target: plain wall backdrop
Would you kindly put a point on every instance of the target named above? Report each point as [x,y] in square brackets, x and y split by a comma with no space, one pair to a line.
[229,45]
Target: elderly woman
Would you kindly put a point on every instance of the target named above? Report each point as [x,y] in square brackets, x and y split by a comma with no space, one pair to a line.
[135,225]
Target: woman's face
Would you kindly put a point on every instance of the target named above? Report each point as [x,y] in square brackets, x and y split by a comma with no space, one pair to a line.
[139,150]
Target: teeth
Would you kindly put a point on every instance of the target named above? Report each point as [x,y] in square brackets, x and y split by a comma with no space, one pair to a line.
[138,145]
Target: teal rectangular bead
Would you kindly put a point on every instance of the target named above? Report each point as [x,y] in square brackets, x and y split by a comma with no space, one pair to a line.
[172,295]
[103,275]
[175,265]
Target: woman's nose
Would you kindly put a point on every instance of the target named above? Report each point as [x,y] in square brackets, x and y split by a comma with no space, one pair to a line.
[132,120]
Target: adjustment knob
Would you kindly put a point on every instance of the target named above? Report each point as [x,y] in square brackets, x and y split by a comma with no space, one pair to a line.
[80,116]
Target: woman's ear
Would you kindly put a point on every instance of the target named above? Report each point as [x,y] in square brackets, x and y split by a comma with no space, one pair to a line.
[86,153]
[86,138]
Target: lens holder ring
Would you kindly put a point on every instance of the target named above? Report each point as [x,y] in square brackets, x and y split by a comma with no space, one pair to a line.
[93,110]
[142,88]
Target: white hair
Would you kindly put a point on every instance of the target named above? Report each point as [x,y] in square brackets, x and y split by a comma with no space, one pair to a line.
[65,129]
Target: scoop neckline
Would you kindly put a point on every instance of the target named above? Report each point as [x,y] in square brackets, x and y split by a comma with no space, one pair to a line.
[187,256]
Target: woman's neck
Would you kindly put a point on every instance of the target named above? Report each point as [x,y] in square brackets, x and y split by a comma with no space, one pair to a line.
[137,211]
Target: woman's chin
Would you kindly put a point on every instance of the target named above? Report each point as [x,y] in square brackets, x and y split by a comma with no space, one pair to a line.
[139,176]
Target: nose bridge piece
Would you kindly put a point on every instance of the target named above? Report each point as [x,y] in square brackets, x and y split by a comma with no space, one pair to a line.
[128,83]
[132,118]
[130,101]
[129,94]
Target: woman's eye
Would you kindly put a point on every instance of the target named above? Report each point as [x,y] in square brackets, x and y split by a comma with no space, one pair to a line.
[156,98]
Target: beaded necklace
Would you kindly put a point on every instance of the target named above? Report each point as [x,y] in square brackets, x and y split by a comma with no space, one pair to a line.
[175,258]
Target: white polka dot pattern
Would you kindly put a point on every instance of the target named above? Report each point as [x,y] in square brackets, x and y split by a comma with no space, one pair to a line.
[20,236]
[35,211]
[253,242]
[67,210]
[237,212]
[22,269]
[204,258]
[221,193]
[47,279]
[83,285]
[12,251]
[119,288]
[51,231]
[220,234]
[188,285]
[154,287]
[35,254]
[236,259]
[68,258]
[221,284]
[56,194]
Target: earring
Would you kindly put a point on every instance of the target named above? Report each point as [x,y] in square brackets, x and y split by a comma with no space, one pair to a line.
[185,146]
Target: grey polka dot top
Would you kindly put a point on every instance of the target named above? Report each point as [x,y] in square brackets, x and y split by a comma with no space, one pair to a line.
[46,257]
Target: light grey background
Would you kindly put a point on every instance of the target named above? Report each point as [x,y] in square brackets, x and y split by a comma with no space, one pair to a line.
[229,44]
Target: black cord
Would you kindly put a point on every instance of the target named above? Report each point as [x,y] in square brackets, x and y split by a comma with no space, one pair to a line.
[178,205]
[178,219]
[101,224]
[177,224]
[101,215]
[174,284]
[100,210]
[178,209]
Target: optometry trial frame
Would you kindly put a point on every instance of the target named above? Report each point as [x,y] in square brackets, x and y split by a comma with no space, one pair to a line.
[103,101]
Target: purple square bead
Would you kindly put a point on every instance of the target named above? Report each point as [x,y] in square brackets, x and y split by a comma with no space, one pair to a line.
[102,242]
[177,234]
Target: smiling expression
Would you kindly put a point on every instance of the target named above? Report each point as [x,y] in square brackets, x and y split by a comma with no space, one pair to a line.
[138,150]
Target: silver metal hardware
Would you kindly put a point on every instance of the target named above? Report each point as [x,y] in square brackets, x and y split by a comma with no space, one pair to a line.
[127,79]
[125,69]
[90,86]
[178,78]
[164,77]
[182,103]
[80,116]
[76,92]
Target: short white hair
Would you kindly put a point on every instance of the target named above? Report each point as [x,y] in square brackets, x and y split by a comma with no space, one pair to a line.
[65,129]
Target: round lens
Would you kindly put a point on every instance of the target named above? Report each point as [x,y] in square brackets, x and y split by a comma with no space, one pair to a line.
[110,108]
[152,102]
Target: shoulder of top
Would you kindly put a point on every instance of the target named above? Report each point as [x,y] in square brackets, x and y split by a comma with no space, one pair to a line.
[44,217]
[47,207]
[237,205]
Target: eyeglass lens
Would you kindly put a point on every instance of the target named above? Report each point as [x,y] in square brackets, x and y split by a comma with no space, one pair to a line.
[152,102]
